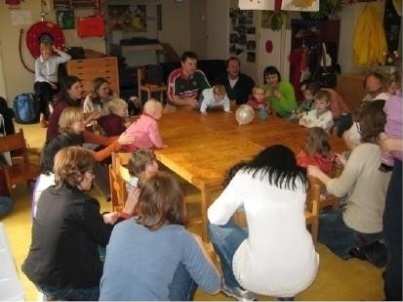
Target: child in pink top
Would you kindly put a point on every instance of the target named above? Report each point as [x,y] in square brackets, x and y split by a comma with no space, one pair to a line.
[145,129]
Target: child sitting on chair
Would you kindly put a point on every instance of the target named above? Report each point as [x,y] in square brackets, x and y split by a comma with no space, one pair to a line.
[317,151]
[114,123]
[321,116]
[145,129]
[214,97]
[142,164]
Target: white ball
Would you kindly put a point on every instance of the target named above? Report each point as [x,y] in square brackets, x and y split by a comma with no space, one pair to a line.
[244,114]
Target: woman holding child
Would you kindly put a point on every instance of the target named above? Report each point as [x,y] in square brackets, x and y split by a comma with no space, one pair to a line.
[354,230]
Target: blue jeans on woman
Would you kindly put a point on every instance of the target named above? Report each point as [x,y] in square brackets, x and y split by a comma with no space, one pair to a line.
[226,239]
[70,294]
[182,287]
[338,237]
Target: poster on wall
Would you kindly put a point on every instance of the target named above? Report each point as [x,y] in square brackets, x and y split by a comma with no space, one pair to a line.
[129,18]
[65,19]
[300,5]
[256,5]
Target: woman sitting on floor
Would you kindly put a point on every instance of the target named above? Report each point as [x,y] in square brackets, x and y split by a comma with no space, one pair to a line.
[354,230]
[63,260]
[152,257]
[275,255]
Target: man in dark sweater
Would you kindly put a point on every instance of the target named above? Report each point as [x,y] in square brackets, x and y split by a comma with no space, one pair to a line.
[238,85]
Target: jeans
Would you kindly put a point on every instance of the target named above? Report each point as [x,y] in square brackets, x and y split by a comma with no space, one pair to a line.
[6,203]
[70,294]
[226,239]
[182,287]
[392,227]
[343,123]
[338,237]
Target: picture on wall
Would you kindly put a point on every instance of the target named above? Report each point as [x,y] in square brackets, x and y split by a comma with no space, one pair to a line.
[130,18]
[65,19]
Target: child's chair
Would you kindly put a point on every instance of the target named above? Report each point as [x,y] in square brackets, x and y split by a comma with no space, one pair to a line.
[144,84]
[116,181]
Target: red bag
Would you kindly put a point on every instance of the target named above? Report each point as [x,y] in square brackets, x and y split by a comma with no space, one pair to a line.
[93,26]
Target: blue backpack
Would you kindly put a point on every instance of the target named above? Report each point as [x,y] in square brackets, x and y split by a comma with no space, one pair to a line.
[26,109]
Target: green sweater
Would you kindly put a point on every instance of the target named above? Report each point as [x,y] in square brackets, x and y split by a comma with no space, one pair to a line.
[285,105]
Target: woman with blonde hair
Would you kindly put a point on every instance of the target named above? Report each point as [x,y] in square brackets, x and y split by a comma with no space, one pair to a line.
[72,125]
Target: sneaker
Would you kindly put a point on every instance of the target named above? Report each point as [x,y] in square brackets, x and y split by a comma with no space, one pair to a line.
[237,293]
[377,254]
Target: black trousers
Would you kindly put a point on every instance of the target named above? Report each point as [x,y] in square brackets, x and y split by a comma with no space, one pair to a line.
[392,227]
[44,93]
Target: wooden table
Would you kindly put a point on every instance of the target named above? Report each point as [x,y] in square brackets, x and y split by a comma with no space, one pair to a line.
[201,148]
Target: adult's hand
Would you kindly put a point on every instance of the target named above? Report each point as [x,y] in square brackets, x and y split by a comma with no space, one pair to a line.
[110,218]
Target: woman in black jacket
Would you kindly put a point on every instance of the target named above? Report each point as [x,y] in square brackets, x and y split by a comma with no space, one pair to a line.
[63,260]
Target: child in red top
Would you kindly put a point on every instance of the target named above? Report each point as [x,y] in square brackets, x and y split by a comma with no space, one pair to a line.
[257,100]
[317,151]
[114,123]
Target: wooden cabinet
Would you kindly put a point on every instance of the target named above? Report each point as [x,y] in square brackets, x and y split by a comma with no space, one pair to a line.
[89,69]
[351,88]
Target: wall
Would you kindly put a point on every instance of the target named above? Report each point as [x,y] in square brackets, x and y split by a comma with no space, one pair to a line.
[16,78]
[348,19]
[176,24]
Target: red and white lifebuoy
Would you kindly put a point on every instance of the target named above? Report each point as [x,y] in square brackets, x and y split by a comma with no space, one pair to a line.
[44,30]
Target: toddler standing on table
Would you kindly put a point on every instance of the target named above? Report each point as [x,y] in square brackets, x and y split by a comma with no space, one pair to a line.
[145,129]
[320,116]
[214,97]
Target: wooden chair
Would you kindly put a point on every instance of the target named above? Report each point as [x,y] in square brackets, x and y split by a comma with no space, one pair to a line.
[116,181]
[147,87]
[312,206]
[21,169]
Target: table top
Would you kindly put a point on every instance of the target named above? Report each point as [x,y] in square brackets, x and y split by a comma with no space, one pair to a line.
[201,148]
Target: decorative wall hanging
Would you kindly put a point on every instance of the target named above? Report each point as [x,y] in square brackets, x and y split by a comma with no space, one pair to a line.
[93,26]
[65,19]
[300,5]
[130,18]
[43,30]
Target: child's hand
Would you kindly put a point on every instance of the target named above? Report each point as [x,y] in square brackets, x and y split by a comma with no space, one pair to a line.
[110,218]
[126,139]
[204,112]
[228,111]
[127,124]
[340,159]
[313,170]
